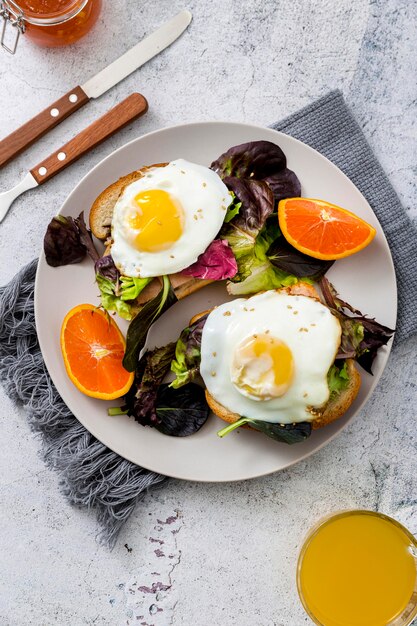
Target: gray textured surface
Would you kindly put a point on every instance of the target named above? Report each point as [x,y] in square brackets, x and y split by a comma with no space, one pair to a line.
[229,551]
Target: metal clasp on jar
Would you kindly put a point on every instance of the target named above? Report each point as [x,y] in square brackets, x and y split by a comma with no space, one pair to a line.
[12,15]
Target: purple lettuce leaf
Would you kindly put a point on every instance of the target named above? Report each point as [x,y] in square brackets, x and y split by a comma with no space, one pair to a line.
[61,243]
[284,184]
[105,267]
[286,258]
[261,161]
[174,412]
[255,159]
[361,336]
[151,370]
[86,238]
[186,365]
[216,263]
[181,412]
[67,241]
[257,204]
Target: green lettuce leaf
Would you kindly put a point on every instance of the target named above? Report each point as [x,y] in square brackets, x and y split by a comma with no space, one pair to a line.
[120,295]
[233,208]
[337,379]
[251,232]
[243,231]
[130,288]
[263,276]
[285,433]
[242,246]
[186,365]
[110,301]
[140,325]
[255,270]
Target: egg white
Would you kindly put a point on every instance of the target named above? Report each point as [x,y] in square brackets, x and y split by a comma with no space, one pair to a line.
[204,199]
[307,327]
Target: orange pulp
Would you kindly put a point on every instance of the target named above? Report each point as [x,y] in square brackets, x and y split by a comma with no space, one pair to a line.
[93,349]
[323,230]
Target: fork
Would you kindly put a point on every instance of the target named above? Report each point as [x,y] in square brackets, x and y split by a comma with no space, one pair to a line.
[119,116]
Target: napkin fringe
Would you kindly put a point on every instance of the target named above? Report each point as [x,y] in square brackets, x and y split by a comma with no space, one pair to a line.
[91,475]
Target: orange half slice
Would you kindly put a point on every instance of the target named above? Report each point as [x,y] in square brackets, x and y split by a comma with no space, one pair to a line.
[323,230]
[93,347]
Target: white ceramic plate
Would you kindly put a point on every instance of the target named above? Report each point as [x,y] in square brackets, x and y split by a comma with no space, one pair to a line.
[366,280]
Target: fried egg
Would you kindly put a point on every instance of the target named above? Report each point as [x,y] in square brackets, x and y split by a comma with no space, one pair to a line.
[163,221]
[267,357]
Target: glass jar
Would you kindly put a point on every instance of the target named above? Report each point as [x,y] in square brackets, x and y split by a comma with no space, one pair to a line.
[48,23]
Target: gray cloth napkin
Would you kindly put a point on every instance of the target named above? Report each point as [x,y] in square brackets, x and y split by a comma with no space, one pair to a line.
[92,475]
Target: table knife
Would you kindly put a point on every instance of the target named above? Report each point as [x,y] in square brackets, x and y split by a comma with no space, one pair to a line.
[134,58]
[119,116]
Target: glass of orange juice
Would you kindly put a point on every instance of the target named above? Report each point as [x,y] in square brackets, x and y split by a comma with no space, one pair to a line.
[359,568]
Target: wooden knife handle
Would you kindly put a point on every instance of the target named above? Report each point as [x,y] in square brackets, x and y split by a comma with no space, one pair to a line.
[122,114]
[39,125]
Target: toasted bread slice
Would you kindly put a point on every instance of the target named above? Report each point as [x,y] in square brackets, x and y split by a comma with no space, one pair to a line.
[183,286]
[337,408]
[219,410]
[334,408]
[101,212]
[301,289]
[101,215]
[195,318]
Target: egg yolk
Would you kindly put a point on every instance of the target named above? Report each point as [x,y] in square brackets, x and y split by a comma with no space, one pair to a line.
[262,367]
[159,219]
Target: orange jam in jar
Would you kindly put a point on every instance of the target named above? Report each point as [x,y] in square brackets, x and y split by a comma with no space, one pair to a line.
[54,23]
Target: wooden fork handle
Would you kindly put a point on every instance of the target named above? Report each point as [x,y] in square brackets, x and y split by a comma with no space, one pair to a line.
[122,114]
[39,125]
